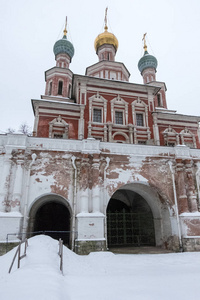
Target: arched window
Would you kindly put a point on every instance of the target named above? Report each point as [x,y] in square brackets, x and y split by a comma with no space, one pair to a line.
[159,99]
[50,88]
[60,87]
[69,91]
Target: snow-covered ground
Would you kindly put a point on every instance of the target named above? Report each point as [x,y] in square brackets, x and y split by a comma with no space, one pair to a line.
[98,276]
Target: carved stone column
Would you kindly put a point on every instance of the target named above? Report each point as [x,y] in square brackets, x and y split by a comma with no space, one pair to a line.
[110,132]
[89,130]
[36,121]
[17,190]
[4,183]
[84,183]
[182,139]
[148,133]
[156,130]
[194,141]
[198,183]
[105,129]
[192,200]
[181,189]
[177,139]
[81,124]
[198,132]
[146,116]
[135,135]
[95,184]
[130,129]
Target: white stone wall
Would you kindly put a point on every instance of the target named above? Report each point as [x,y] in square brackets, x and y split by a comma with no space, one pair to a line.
[31,168]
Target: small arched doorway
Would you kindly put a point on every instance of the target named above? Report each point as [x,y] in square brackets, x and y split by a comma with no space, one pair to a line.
[130,220]
[50,214]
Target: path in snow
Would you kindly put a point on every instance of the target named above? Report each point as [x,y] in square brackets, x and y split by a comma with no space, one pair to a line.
[98,276]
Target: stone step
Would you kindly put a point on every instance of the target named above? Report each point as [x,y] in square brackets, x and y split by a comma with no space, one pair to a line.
[139,250]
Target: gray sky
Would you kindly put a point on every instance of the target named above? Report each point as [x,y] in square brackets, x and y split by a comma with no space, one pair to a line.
[29,29]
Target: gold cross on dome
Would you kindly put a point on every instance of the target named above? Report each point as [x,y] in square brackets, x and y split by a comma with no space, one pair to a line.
[105,19]
[65,30]
[144,39]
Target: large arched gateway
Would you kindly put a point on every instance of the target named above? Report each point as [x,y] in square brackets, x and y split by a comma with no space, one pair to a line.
[51,214]
[136,216]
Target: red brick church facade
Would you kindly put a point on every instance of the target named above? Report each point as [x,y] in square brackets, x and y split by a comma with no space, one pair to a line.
[108,162]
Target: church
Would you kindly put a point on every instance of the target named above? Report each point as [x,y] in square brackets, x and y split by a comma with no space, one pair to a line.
[108,164]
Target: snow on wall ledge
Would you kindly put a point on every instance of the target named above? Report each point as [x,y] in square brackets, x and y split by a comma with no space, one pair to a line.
[11,141]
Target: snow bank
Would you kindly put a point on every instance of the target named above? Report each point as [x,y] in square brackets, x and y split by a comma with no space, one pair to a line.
[98,276]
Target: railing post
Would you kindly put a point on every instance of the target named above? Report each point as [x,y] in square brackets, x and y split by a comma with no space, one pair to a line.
[18,251]
[18,264]
[60,253]
[13,259]
[61,259]
[26,245]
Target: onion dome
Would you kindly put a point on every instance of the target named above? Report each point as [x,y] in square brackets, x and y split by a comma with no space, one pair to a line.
[64,46]
[106,38]
[147,60]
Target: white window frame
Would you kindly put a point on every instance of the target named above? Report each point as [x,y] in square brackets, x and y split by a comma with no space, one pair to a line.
[119,104]
[139,107]
[171,137]
[98,102]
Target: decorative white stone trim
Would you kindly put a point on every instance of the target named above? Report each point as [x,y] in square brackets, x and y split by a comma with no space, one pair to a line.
[136,108]
[81,123]
[120,133]
[58,123]
[97,101]
[170,135]
[36,119]
[119,104]
[186,133]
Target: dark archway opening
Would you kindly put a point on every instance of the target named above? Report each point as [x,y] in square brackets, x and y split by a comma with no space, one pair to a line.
[53,218]
[129,220]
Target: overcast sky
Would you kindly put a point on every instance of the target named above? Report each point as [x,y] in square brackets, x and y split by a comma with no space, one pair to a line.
[29,29]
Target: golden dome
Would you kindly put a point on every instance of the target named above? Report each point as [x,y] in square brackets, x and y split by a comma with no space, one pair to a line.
[106,38]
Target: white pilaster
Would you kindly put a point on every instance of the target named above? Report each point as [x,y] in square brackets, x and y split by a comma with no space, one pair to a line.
[4,183]
[17,191]
[81,124]
[96,199]
[156,131]
[84,201]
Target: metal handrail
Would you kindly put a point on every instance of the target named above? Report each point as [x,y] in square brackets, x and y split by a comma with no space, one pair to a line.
[20,234]
[60,253]
[18,251]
